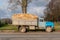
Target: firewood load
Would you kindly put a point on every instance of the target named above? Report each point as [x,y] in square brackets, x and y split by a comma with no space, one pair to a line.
[24,16]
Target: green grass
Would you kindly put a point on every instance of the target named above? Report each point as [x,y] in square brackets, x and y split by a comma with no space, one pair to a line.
[8,27]
[11,27]
[57,26]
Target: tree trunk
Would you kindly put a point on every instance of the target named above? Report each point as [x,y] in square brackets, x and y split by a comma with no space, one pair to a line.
[24,6]
[24,9]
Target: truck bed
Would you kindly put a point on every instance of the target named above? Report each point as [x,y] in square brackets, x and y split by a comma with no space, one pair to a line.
[24,22]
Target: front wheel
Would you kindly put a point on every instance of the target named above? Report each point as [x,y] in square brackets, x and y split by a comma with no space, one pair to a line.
[49,29]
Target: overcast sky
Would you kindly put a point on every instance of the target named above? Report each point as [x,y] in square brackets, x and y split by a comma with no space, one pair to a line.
[35,7]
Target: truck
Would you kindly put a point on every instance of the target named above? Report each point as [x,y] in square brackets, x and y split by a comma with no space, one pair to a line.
[31,22]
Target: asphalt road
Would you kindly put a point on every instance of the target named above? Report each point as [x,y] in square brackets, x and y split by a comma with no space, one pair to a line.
[30,36]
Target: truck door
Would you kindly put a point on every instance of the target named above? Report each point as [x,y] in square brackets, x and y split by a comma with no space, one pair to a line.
[41,23]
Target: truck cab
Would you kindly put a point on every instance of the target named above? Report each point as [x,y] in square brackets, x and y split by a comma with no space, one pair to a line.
[41,23]
[47,25]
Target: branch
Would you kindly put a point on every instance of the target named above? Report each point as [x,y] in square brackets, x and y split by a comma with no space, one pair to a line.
[19,2]
[29,1]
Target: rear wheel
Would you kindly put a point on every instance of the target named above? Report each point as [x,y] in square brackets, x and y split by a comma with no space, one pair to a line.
[22,29]
[48,29]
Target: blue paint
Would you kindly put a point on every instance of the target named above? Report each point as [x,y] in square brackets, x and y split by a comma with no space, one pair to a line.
[43,24]
[51,24]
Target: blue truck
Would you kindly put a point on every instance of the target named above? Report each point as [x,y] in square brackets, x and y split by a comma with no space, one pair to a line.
[31,22]
[47,25]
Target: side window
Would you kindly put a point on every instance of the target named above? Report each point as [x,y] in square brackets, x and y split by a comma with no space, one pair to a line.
[41,20]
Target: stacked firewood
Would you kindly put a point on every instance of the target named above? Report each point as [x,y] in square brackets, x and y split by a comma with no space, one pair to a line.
[24,16]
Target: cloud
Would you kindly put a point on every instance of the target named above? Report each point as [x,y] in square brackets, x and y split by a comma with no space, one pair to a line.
[3,4]
[39,11]
[39,3]
[36,7]
[4,11]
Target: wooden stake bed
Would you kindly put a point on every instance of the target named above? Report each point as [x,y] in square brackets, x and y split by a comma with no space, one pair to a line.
[24,19]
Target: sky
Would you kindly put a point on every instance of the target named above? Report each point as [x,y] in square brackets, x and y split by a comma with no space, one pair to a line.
[35,7]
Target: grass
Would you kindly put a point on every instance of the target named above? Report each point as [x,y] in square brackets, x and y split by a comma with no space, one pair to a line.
[11,27]
[57,26]
[8,27]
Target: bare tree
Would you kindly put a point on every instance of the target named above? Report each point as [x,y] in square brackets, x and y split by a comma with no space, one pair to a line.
[23,3]
[53,10]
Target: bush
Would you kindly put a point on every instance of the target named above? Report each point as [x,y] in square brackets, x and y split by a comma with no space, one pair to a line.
[5,21]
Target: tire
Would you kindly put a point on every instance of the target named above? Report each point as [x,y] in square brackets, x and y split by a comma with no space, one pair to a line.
[48,29]
[22,29]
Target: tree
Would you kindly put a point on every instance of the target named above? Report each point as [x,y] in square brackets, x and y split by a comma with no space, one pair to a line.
[53,10]
[23,3]
[0,22]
